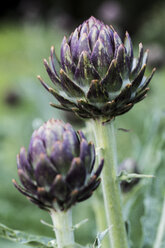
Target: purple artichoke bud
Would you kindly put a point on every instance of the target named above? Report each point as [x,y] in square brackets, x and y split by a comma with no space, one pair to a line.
[98,76]
[57,172]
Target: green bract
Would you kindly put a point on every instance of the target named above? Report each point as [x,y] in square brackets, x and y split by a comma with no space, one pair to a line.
[98,76]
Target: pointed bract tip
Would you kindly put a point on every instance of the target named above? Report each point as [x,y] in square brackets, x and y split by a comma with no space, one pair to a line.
[154,69]
[100,167]
[74,192]
[61,71]
[112,28]
[52,48]
[64,39]
[45,62]
[91,18]
[140,45]
[121,46]
[126,33]
[43,83]
[101,164]
[81,134]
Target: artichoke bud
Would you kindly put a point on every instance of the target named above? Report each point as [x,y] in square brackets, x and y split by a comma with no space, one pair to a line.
[57,171]
[99,69]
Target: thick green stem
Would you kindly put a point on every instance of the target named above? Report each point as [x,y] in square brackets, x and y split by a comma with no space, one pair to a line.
[106,145]
[62,222]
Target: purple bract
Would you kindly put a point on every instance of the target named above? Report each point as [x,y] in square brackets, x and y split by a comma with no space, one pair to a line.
[98,75]
[57,172]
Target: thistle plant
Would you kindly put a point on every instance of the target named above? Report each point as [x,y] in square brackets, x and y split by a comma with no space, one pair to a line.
[98,78]
[57,172]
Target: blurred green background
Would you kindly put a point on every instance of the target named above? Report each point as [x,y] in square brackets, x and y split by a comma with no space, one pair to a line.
[27,31]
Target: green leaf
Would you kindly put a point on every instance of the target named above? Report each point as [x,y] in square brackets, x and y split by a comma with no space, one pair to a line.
[160,236]
[153,221]
[24,238]
[99,238]
[142,207]
[128,177]
[133,212]
[75,246]
[78,225]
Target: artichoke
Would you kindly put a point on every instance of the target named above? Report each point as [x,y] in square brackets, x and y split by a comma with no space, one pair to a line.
[98,76]
[57,172]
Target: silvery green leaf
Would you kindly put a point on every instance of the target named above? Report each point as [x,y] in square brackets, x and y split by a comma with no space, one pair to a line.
[78,225]
[128,177]
[24,238]
[99,238]
[160,236]
[153,222]
[75,246]
[133,211]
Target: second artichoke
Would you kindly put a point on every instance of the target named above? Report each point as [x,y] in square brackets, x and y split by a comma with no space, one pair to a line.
[57,172]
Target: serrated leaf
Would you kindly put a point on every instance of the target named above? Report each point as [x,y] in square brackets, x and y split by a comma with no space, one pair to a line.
[24,238]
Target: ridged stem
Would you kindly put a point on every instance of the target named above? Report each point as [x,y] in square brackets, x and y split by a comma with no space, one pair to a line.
[97,199]
[106,145]
[62,222]
[100,215]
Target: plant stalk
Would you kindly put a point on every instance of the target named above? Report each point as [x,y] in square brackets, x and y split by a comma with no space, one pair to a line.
[106,145]
[62,222]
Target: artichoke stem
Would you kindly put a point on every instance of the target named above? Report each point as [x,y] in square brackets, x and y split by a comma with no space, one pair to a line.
[106,143]
[62,222]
